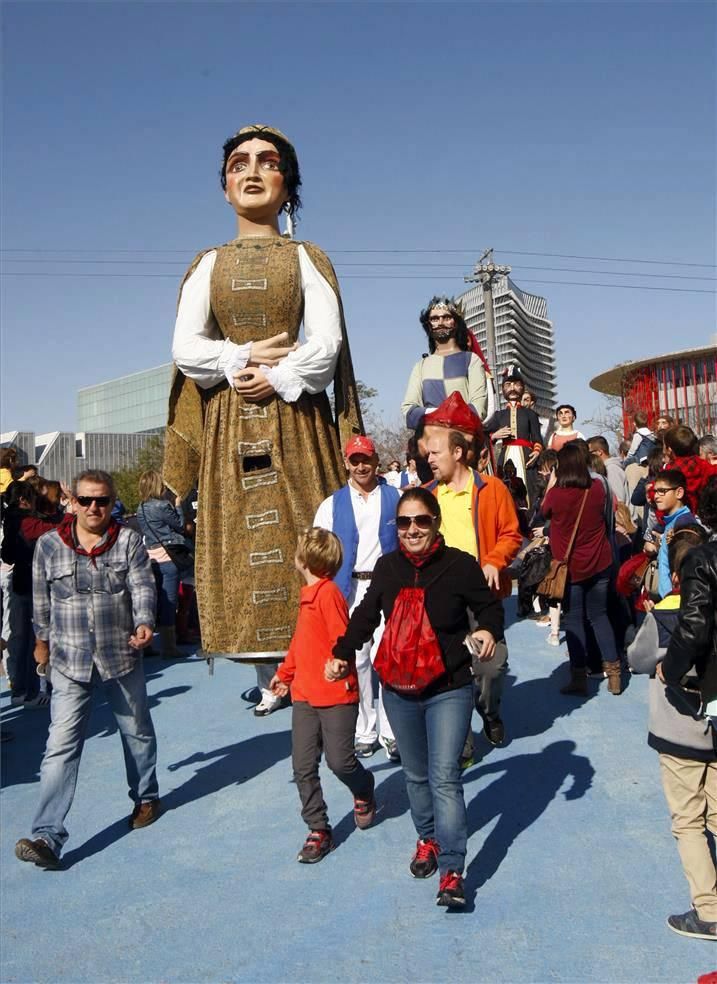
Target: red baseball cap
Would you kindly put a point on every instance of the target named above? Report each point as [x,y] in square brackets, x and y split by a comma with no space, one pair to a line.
[455,413]
[360,444]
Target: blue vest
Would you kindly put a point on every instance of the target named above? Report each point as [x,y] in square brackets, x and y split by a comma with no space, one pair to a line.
[344,524]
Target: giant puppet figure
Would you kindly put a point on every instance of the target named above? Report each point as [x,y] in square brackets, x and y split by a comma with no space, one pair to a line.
[455,364]
[249,417]
[519,430]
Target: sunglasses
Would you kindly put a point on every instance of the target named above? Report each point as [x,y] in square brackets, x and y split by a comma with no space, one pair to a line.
[423,522]
[86,500]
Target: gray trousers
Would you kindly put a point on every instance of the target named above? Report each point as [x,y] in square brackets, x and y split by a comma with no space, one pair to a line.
[489,681]
[331,730]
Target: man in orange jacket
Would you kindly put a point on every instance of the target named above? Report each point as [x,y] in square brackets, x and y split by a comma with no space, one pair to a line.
[478,516]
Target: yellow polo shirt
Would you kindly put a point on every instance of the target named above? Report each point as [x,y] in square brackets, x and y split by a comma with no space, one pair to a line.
[456,518]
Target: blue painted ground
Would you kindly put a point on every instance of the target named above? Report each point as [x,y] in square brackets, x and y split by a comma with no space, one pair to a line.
[570,852]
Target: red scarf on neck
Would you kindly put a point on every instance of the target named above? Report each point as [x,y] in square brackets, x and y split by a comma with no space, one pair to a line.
[420,560]
[67,534]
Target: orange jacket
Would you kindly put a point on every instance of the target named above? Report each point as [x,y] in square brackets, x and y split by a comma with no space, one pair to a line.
[495,522]
[323,617]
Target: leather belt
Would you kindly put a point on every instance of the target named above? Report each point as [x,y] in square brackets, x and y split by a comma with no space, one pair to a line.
[362,575]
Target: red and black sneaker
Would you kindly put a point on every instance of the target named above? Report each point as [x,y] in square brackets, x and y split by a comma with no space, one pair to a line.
[316,846]
[424,862]
[451,891]
[364,812]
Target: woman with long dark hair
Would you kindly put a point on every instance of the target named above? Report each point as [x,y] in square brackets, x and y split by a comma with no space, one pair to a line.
[431,721]
[589,564]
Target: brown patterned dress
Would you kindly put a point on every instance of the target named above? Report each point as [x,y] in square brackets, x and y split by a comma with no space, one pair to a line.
[262,468]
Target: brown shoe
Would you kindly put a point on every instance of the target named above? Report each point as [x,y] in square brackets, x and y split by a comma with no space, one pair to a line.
[39,852]
[578,684]
[144,814]
[613,670]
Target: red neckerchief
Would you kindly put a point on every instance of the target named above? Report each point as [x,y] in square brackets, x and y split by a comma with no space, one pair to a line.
[66,531]
[419,560]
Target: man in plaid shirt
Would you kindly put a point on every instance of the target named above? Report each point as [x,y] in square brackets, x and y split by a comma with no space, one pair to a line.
[94,601]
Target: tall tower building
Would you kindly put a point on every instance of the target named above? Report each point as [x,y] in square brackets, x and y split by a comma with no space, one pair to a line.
[523,336]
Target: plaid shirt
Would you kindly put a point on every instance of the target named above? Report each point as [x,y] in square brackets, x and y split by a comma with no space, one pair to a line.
[89,607]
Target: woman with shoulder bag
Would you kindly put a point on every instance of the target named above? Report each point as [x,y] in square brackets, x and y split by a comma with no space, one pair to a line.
[581,540]
[162,527]
[424,591]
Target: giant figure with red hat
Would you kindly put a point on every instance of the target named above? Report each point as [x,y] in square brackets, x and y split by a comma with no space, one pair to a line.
[455,364]
[519,430]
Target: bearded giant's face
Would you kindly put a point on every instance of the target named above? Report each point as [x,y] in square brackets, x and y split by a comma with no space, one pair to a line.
[513,390]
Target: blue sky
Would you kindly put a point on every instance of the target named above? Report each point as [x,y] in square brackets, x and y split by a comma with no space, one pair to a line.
[576,128]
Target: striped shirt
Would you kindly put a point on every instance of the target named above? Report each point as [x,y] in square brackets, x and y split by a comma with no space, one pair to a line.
[87,608]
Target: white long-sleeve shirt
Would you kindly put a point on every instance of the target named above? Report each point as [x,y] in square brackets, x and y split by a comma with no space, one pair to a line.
[204,356]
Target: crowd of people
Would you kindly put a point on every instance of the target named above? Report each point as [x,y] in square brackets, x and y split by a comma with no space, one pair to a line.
[373,603]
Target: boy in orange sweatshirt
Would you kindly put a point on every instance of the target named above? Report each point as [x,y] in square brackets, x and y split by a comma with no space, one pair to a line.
[324,693]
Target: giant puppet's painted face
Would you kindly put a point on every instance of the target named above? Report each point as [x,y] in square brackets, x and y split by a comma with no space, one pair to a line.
[513,390]
[255,185]
[443,324]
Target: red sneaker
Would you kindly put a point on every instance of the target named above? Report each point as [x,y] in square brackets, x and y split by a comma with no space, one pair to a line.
[316,846]
[424,862]
[364,812]
[451,891]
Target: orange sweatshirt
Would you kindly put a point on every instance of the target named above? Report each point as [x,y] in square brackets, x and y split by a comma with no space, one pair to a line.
[495,522]
[323,617]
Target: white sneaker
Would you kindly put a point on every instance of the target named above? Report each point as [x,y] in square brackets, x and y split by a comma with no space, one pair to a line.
[553,639]
[267,705]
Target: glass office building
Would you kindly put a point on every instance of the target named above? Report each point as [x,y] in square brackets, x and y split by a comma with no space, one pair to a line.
[523,335]
[127,405]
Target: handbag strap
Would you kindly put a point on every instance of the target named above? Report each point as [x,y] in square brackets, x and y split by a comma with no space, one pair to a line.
[575,528]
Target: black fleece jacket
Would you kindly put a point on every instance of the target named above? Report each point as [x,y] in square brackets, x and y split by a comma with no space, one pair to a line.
[694,641]
[453,582]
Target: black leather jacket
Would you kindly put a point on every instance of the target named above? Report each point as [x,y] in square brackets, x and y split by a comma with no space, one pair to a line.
[694,641]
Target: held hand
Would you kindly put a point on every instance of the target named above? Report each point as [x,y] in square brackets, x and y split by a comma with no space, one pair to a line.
[492,576]
[501,433]
[537,532]
[253,385]
[141,638]
[270,351]
[336,669]
[484,639]
[278,687]
[42,652]
[649,548]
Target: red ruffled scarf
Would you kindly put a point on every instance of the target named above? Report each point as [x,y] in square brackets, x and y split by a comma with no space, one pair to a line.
[66,532]
[420,560]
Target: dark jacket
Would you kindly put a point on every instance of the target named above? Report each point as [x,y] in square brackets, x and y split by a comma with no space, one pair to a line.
[160,522]
[454,583]
[694,641]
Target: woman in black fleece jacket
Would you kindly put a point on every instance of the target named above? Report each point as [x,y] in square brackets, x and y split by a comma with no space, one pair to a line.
[431,726]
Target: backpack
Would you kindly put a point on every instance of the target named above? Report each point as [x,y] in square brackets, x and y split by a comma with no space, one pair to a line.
[409,656]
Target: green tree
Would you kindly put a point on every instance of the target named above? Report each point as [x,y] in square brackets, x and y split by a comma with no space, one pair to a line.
[148,458]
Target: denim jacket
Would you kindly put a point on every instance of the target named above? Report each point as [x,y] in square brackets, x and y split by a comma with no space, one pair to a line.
[160,522]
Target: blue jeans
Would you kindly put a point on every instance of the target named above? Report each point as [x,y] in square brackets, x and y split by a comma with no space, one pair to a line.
[587,603]
[69,714]
[430,735]
[167,577]
[21,666]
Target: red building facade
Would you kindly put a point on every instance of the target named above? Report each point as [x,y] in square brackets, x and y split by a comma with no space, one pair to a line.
[681,384]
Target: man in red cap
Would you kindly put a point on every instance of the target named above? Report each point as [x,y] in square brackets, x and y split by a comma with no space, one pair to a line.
[363,516]
[478,516]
